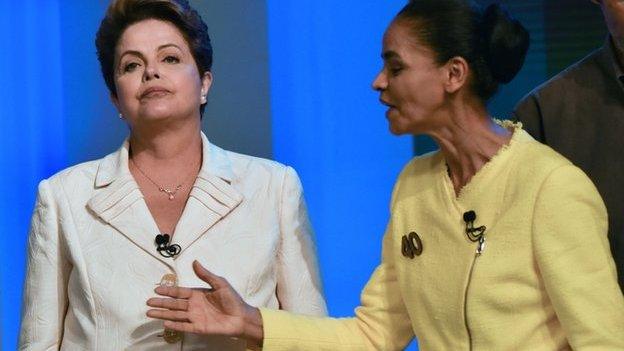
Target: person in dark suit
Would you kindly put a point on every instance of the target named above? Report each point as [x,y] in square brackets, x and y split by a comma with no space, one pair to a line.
[580,114]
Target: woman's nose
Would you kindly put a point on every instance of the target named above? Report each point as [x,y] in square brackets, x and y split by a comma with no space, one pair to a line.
[150,73]
[380,83]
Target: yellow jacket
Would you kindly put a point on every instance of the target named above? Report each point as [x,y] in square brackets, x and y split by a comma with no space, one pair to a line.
[544,281]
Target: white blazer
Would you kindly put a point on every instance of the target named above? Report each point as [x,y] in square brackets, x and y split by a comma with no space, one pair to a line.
[92,259]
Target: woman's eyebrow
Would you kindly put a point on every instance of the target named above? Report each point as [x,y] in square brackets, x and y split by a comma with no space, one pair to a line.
[389,54]
[131,52]
[164,46]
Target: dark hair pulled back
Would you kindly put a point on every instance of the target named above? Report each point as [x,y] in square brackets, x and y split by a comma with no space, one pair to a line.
[491,41]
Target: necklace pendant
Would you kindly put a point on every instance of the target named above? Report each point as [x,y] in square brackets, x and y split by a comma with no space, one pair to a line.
[169,193]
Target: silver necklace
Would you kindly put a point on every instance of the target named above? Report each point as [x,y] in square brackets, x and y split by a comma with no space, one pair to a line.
[170,193]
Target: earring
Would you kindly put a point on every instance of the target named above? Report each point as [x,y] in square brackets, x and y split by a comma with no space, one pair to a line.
[121,116]
[203,99]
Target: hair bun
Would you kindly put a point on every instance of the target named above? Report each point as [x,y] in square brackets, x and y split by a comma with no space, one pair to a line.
[506,43]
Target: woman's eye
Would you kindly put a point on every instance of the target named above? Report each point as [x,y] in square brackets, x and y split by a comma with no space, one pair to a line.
[130,67]
[171,59]
[394,71]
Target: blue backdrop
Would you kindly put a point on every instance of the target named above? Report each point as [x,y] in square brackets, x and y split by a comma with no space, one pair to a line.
[32,141]
[328,124]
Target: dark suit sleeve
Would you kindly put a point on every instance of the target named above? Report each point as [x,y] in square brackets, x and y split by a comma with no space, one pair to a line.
[528,112]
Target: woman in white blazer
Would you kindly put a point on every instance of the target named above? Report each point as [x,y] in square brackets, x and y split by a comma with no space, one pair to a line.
[97,246]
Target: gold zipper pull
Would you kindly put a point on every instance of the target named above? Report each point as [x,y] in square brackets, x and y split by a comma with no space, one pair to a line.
[481,246]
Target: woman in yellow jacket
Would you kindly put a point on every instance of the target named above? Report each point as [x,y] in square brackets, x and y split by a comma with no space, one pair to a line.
[495,242]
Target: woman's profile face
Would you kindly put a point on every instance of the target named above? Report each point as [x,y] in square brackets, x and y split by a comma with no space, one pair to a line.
[155,74]
[410,82]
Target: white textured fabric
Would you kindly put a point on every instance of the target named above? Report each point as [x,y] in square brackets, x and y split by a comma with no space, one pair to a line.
[92,261]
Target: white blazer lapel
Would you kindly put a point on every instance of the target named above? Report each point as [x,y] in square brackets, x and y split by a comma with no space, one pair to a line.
[213,196]
[118,201]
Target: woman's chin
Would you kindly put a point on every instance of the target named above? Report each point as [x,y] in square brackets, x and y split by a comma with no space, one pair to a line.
[396,130]
[156,114]
[396,126]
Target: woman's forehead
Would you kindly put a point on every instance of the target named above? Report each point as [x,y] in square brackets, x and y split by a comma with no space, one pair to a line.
[151,34]
[399,38]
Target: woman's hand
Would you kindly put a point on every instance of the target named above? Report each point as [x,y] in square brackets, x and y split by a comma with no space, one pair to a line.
[216,311]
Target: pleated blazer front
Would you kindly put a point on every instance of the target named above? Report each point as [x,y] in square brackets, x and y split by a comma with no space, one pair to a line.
[92,259]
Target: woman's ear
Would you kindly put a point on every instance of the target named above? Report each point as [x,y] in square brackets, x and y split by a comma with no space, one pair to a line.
[456,74]
[206,83]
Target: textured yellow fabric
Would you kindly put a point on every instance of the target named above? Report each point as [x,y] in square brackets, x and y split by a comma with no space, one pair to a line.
[545,281]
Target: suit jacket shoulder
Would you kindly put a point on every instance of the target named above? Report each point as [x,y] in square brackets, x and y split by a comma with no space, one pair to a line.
[245,166]
[567,82]
[563,98]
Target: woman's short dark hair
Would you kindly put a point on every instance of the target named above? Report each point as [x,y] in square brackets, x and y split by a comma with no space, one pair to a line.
[123,13]
[491,41]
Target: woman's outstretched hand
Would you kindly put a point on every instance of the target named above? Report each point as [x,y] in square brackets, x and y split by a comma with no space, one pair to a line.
[216,311]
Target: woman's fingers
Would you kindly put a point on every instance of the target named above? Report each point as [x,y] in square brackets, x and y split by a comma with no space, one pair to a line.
[168,303]
[173,291]
[215,310]
[177,316]
[214,280]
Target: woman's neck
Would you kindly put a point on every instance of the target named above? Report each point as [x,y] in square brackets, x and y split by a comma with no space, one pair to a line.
[170,153]
[468,140]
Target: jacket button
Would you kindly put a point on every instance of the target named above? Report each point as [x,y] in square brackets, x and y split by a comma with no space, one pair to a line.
[172,336]
[169,280]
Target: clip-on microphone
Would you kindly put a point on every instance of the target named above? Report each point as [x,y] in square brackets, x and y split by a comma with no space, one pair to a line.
[163,247]
[469,218]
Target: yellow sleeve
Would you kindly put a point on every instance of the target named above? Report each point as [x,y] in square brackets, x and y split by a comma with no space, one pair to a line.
[380,323]
[573,256]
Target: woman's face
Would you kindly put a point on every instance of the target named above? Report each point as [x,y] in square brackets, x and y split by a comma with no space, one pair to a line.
[410,83]
[156,76]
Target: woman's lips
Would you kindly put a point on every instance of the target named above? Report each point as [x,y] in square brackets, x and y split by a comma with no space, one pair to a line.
[387,104]
[152,93]
[390,110]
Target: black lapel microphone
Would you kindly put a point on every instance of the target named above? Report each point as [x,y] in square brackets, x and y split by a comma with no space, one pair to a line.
[474,234]
[164,248]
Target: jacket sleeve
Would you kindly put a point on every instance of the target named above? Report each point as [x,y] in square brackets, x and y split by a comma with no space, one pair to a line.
[45,289]
[528,111]
[299,286]
[573,256]
[381,321]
